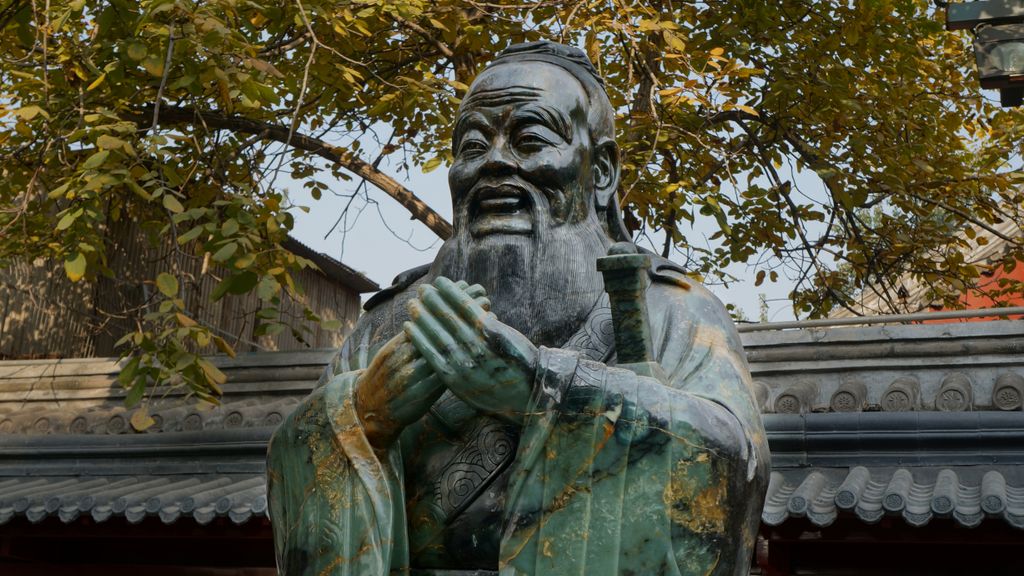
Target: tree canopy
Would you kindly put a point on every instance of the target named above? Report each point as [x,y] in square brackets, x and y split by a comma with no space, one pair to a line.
[178,116]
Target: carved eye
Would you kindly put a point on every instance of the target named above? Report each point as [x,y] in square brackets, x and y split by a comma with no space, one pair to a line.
[529,140]
[472,147]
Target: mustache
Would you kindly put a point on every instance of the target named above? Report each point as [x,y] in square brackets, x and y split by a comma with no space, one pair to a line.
[491,189]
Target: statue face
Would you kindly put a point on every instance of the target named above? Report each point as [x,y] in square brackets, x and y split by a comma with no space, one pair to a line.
[522,151]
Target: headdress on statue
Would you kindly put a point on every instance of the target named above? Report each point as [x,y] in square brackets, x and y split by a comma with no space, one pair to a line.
[601,116]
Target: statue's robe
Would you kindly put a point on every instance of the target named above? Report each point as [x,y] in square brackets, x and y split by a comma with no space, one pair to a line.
[610,473]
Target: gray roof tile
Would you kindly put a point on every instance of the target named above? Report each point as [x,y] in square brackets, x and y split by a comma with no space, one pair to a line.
[239,498]
[916,495]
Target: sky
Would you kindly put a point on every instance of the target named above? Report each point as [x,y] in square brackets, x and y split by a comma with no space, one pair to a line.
[380,240]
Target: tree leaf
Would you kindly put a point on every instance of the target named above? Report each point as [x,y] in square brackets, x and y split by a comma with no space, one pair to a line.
[141,420]
[184,321]
[167,284]
[75,266]
[223,346]
[29,112]
[137,51]
[225,252]
[235,284]
[68,219]
[96,83]
[108,142]
[137,390]
[431,165]
[96,160]
[172,204]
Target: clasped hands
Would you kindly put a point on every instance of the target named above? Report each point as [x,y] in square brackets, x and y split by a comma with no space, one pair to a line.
[451,341]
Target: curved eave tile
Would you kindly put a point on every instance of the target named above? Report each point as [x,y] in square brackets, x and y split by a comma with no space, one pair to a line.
[821,495]
[135,498]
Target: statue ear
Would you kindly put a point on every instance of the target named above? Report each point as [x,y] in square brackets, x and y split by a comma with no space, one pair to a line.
[606,172]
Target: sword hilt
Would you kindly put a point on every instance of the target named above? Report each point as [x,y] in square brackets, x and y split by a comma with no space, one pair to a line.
[625,280]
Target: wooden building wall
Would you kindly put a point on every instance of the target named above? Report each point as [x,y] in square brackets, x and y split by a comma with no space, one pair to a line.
[44,315]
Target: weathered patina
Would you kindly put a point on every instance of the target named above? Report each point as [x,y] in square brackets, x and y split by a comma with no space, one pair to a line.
[486,424]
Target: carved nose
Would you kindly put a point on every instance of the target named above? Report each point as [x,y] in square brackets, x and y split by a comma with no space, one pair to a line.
[499,161]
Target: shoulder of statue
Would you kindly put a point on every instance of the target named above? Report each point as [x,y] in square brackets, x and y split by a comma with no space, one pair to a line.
[671,283]
[667,272]
[400,283]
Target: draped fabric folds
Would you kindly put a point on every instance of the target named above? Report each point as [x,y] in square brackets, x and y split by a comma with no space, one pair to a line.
[615,473]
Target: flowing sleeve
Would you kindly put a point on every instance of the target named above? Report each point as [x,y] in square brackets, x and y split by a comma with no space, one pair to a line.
[336,506]
[618,473]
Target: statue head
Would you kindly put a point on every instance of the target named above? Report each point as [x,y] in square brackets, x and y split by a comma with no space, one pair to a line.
[534,145]
[533,187]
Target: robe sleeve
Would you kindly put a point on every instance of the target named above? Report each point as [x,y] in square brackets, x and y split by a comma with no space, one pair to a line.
[336,505]
[618,473]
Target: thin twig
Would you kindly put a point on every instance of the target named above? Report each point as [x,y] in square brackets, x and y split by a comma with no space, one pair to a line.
[163,79]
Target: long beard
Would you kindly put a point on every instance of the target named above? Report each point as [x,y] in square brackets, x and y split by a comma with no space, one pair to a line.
[543,285]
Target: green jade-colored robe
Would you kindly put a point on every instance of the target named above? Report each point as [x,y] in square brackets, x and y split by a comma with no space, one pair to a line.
[613,472]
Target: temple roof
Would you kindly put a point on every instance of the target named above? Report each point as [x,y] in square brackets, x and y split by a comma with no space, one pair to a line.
[913,422]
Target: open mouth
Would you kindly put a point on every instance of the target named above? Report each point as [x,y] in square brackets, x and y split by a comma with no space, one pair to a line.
[501,209]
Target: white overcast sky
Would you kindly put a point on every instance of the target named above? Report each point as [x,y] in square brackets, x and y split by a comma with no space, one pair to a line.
[367,245]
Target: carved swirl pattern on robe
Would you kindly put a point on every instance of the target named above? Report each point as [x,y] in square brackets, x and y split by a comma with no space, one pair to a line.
[597,337]
[490,450]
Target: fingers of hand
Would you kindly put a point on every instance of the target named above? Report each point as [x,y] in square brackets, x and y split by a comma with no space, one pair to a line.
[440,334]
[464,333]
[427,350]
[476,292]
[464,304]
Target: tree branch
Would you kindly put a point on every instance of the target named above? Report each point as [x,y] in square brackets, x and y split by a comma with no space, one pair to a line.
[216,121]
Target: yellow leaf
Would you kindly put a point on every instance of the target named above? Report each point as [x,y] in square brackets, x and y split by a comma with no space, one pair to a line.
[213,375]
[224,346]
[432,164]
[747,109]
[184,321]
[717,51]
[141,420]
[30,112]
[95,83]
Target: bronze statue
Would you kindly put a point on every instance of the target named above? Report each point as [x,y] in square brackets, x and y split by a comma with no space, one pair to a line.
[487,425]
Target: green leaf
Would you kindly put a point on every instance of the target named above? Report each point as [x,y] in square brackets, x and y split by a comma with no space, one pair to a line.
[58,191]
[142,193]
[137,51]
[68,219]
[108,142]
[332,325]
[190,235]
[225,252]
[167,284]
[127,373]
[75,266]
[236,284]
[230,227]
[172,204]
[137,390]
[96,160]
